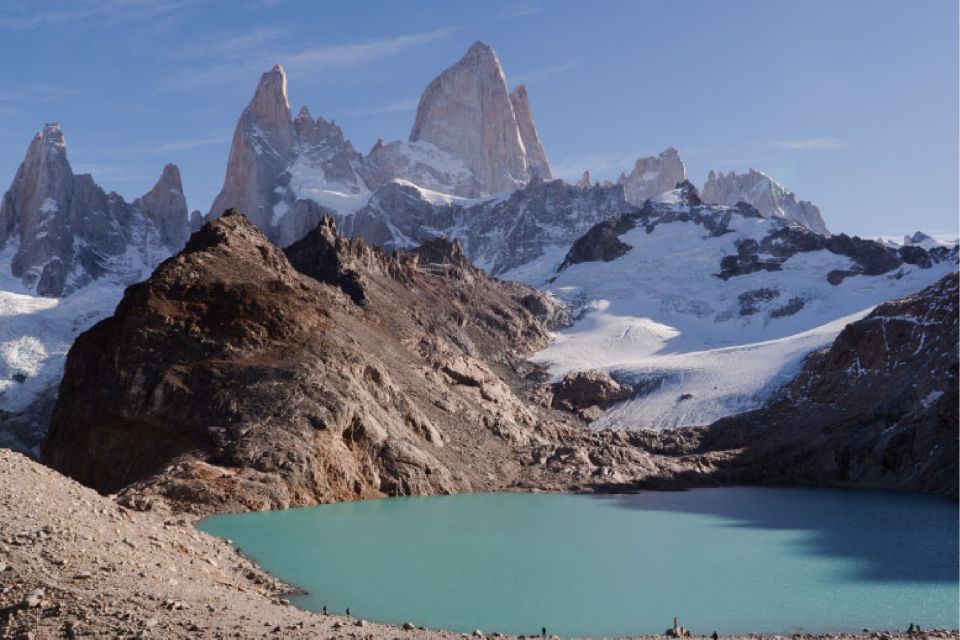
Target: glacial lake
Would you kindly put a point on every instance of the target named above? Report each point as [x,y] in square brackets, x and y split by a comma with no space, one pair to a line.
[733,560]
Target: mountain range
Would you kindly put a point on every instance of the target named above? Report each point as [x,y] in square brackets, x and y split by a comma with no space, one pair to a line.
[642,305]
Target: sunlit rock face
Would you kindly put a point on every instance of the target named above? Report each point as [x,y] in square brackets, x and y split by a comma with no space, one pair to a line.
[652,176]
[467,112]
[537,164]
[276,160]
[770,198]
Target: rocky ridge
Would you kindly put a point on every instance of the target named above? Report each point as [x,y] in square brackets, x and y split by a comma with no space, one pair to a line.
[769,197]
[869,257]
[534,222]
[240,377]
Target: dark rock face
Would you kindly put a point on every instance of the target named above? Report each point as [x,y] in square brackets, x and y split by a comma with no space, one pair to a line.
[751,300]
[601,243]
[586,392]
[876,409]
[869,256]
[231,380]
[69,230]
[689,194]
[328,257]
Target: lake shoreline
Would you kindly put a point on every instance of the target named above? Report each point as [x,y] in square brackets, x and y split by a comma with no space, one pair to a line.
[75,562]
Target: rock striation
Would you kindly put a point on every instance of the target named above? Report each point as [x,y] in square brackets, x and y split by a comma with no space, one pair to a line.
[769,197]
[653,176]
[69,232]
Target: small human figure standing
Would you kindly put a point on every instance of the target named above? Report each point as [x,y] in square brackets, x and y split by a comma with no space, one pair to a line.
[543,633]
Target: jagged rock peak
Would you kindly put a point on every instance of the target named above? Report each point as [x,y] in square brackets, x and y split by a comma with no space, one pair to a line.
[234,233]
[771,198]
[166,206]
[537,164]
[169,178]
[652,176]
[52,136]
[467,111]
[70,232]
[585,182]
[270,105]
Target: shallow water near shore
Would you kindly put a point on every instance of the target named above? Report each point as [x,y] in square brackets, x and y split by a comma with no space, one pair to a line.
[735,560]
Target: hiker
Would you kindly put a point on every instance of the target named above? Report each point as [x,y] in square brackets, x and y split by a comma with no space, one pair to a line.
[324,609]
[348,612]
[543,633]
[714,635]
[910,629]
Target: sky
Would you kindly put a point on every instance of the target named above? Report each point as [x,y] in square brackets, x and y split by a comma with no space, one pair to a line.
[852,104]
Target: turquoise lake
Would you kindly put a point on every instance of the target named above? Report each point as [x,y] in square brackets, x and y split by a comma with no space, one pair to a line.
[733,560]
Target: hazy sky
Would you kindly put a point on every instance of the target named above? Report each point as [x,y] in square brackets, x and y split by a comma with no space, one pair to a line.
[853,104]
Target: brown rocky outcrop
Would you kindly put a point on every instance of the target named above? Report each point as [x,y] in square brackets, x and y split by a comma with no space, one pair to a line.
[230,380]
[586,392]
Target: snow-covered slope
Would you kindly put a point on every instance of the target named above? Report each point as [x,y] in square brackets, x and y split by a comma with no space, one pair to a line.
[707,310]
[35,334]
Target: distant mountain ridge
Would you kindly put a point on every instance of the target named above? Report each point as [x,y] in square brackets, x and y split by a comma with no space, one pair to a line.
[69,232]
[471,137]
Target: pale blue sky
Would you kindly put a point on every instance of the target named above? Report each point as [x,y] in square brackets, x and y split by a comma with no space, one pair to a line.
[853,104]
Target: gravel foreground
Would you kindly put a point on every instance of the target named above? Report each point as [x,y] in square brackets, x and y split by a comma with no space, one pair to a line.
[75,564]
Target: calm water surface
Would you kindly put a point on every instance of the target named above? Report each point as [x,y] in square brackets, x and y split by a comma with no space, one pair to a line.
[734,560]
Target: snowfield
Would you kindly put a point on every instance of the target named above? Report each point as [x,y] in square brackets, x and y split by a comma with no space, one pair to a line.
[36,334]
[697,347]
